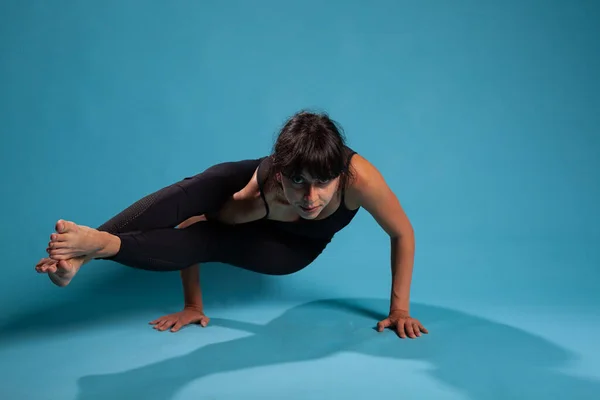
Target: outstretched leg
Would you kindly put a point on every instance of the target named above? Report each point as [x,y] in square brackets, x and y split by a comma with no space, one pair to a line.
[166,208]
[62,271]
[255,246]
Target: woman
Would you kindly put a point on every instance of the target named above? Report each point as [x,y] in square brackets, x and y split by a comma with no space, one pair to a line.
[272,215]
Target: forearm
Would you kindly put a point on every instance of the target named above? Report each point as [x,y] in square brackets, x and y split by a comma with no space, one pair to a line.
[190,280]
[402,261]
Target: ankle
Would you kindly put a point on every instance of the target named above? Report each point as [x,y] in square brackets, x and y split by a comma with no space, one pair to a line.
[110,245]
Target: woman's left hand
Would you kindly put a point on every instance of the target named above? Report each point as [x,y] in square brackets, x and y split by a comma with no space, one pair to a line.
[403,324]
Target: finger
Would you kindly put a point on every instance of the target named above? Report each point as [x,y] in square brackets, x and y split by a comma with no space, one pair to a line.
[160,323]
[204,321]
[166,324]
[416,329]
[156,321]
[400,330]
[409,330]
[178,325]
[383,324]
[423,329]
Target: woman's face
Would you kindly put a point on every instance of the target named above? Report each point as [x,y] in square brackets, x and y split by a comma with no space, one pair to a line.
[308,195]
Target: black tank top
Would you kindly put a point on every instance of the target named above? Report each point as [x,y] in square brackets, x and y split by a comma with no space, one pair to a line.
[319,229]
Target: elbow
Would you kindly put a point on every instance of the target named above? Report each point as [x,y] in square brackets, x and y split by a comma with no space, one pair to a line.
[406,236]
[402,232]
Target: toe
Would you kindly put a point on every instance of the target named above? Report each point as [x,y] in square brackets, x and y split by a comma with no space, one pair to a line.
[63,226]
[51,268]
[42,262]
[57,245]
[59,254]
[46,265]
[59,237]
[60,226]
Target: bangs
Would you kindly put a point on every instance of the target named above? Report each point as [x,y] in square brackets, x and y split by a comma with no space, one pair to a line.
[310,144]
[323,164]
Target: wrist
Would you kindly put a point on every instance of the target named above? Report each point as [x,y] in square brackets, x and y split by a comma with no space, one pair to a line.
[193,307]
[399,304]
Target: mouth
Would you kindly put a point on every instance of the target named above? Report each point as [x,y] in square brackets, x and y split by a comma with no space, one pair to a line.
[309,209]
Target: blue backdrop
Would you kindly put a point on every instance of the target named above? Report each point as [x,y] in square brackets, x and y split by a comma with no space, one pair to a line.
[483,117]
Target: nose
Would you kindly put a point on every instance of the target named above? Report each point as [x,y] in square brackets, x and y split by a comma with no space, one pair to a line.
[310,195]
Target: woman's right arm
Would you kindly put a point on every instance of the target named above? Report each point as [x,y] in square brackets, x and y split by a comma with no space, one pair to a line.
[193,308]
[192,293]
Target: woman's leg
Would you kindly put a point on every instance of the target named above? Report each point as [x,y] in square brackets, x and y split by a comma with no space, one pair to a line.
[253,246]
[203,193]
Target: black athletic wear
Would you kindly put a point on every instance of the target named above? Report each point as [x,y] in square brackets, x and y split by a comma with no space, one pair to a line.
[150,241]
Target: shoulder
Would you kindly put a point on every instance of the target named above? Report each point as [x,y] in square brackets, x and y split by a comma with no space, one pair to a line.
[368,189]
[362,171]
[364,180]
[263,170]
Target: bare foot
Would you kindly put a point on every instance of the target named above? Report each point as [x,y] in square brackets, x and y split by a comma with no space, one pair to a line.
[72,241]
[60,272]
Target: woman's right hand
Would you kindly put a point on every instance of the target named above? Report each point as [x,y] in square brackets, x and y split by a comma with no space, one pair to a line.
[176,321]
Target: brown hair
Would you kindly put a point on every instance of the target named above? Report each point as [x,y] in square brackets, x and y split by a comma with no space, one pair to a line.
[314,143]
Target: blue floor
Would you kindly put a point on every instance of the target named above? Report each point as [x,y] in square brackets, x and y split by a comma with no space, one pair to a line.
[98,344]
[482,116]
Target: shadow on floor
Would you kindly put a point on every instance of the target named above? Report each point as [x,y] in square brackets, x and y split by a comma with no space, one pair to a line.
[96,297]
[481,358]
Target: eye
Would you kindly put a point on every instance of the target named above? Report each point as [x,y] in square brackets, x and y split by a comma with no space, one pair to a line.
[297,179]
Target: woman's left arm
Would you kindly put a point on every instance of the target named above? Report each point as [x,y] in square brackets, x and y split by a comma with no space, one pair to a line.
[371,192]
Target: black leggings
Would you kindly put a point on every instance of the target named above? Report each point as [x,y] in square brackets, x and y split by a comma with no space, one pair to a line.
[151,241]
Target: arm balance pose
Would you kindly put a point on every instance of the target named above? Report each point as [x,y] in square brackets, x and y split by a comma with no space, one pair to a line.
[272,215]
